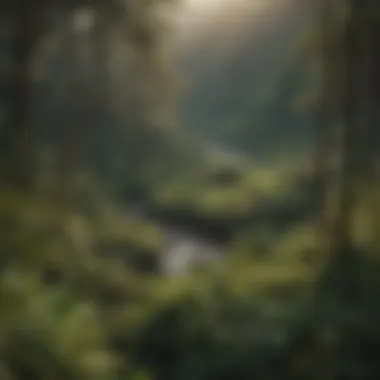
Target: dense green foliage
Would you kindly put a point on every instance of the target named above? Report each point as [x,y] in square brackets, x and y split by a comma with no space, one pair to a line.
[98,174]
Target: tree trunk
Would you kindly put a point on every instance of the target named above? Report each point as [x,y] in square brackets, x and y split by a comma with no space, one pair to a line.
[325,122]
[18,140]
[342,242]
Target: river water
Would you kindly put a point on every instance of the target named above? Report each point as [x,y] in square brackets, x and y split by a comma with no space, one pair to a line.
[184,249]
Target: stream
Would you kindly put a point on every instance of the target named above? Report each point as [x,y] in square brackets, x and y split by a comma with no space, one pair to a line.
[184,249]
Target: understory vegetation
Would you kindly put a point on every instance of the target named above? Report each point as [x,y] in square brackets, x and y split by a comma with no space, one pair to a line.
[102,179]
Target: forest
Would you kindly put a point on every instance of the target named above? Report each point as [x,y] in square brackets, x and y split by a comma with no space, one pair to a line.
[189,203]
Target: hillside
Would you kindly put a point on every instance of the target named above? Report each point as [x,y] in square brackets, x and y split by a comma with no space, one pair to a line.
[243,88]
